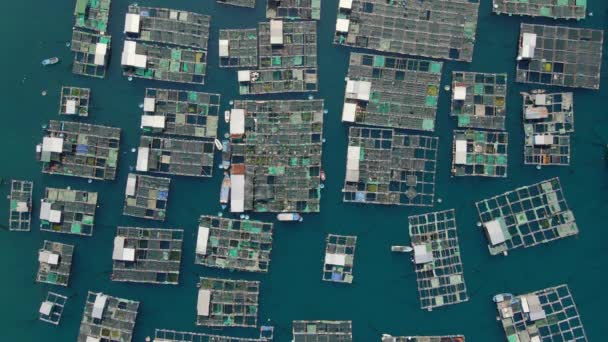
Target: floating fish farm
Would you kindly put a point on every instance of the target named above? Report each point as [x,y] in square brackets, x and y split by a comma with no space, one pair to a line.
[480,153]
[479,99]
[91,53]
[556,9]
[74,101]
[320,331]
[451,338]
[51,308]
[293,9]
[68,211]
[20,212]
[175,156]
[107,318]
[339,258]
[238,48]
[227,303]
[163,335]
[55,263]
[239,3]
[146,197]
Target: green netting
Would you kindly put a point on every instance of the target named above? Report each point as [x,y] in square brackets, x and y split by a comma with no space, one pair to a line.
[298,60]
[87,219]
[491,160]
[431,101]
[14,204]
[76,228]
[562,2]
[581,3]
[276,60]
[199,68]
[192,96]
[436,67]
[501,160]
[464,120]
[374,97]
[176,54]
[233,252]
[480,136]
[546,11]
[478,89]
[480,159]
[51,278]
[276,170]
[294,161]
[379,61]
[428,124]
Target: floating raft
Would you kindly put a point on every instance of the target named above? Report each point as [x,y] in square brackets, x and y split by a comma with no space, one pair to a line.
[55,263]
[68,211]
[227,303]
[91,53]
[276,156]
[232,244]
[146,197]
[287,44]
[293,9]
[480,153]
[20,212]
[238,48]
[438,28]
[339,258]
[147,255]
[560,56]
[548,120]
[526,217]
[163,335]
[320,331]
[175,156]
[479,99]
[51,308]
[92,14]
[450,338]
[389,166]
[107,318]
[556,9]
[439,270]
[181,112]
[548,315]
[273,81]
[80,150]
[239,3]
[74,101]
[392,92]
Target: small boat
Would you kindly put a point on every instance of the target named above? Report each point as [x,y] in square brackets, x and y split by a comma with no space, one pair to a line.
[225,191]
[322,175]
[227,116]
[226,154]
[501,297]
[218,144]
[401,249]
[290,217]
[50,61]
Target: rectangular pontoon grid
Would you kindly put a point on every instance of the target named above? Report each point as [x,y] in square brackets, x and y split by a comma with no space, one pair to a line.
[146,197]
[74,101]
[339,258]
[479,99]
[175,156]
[556,9]
[227,303]
[55,263]
[20,213]
[52,308]
[450,338]
[91,53]
[92,14]
[238,48]
[322,331]
[163,335]
[68,211]
[239,3]
[107,318]
[480,153]
[298,47]
[272,81]
[293,9]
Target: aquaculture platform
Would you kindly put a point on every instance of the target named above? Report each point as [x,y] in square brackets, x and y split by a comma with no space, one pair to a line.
[51,308]
[147,255]
[294,9]
[92,14]
[389,166]
[91,53]
[74,101]
[68,211]
[239,3]
[556,9]
[276,155]
[273,81]
[479,99]
[392,92]
[437,28]
[238,48]
[450,338]
[545,315]
[163,335]
[20,212]
[560,56]
[241,245]
[439,270]
[227,303]
[175,156]
[480,153]
[79,150]
[526,217]
[146,196]
[339,258]
[321,331]
[287,44]
[107,318]
[55,263]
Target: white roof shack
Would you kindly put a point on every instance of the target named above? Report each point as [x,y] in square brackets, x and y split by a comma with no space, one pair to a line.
[358,90]
[70,107]
[149,104]
[132,23]
[349,111]
[45,210]
[100,53]
[335,259]
[540,99]
[55,216]
[22,207]
[93,339]
[130,58]
[528,44]
[460,155]
[99,305]
[494,232]
[460,93]
[201,240]
[48,257]
[142,158]
[534,113]
[120,252]
[353,158]
[237,193]
[422,255]
[346,4]
[224,50]
[131,185]
[536,310]
[52,144]
[543,139]
[203,303]
[45,308]
[237,122]
[153,121]
[244,75]
[342,25]
[276,32]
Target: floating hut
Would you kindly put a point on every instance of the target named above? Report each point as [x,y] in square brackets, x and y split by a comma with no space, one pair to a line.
[227,303]
[242,245]
[560,56]
[238,48]
[163,335]
[293,9]
[479,99]
[319,331]
[480,153]
[20,212]
[439,270]
[273,81]
[107,318]
[74,101]
[55,263]
[147,255]
[180,112]
[79,150]
[68,211]
[392,92]
[438,29]
[51,308]
[92,15]
[389,166]
[526,217]
[239,3]
[91,53]
[450,338]
[276,155]
[556,9]
[545,315]
[287,44]
[175,156]
[548,119]
[146,196]
[339,258]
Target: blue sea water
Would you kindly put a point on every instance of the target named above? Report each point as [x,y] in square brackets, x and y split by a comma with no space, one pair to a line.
[383,296]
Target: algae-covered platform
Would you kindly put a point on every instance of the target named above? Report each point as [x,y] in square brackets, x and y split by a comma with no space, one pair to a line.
[339,258]
[74,101]
[55,263]
[91,53]
[392,92]
[146,196]
[51,308]
[227,303]
[446,338]
[322,331]
[294,9]
[276,155]
[439,270]
[556,9]
[548,121]
[479,99]
[79,150]
[545,315]
[239,3]
[92,14]
[107,318]
[389,166]
[480,153]
[238,48]
[164,335]
[20,211]
[68,211]
[560,56]
[526,217]
[242,245]
[287,44]
[147,255]
[180,112]
[272,81]
[435,28]
[175,156]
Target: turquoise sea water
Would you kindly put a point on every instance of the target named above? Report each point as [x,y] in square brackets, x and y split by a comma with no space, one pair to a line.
[383,296]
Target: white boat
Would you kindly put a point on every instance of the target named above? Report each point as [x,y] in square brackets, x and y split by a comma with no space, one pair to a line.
[227,116]
[401,249]
[226,154]
[290,217]
[225,190]
[218,144]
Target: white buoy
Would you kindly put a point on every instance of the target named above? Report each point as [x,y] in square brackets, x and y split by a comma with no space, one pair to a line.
[538,167]
[591,14]
[130,78]
[133,149]
[231,102]
[90,181]
[323,140]
[439,200]
[220,214]
[447,88]
[147,338]
[325,111]
[478,224]
[141,105]
[44,93]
